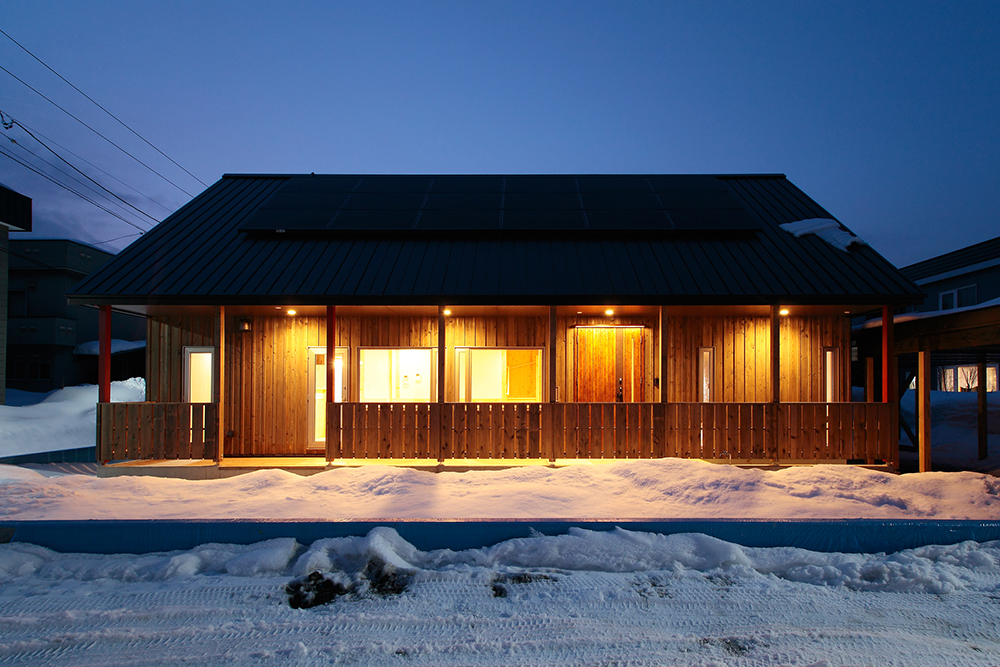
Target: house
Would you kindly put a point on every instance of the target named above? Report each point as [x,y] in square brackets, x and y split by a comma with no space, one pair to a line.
[15,214]
[48,341]
[963,279]
[441,317]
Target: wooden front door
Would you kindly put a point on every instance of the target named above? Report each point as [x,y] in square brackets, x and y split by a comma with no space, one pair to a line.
[609,365]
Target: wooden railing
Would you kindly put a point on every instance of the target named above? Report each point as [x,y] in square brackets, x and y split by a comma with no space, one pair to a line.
[856,432]
[142,431]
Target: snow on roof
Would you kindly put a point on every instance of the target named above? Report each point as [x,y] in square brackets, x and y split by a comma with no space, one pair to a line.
[827,229]
[909,317]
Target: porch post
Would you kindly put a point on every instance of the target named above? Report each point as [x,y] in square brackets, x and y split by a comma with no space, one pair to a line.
[889,379]
[869,380]
[441,353]
[664,363]
[220,387]
[104,355]
[331,350]
[981,411]
[553,388]
[923,401]
[775,381]
[331,353]
[775,355]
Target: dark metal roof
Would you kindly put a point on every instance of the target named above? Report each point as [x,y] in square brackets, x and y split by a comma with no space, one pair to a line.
[955,260]
[199,255]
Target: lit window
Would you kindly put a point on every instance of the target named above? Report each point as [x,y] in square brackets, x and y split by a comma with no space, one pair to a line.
[499,375]
[317,387]
[397,375]
[706,369]
[199,371]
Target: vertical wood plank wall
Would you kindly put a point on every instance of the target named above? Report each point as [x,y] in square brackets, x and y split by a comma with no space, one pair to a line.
[742,357]
[267,368]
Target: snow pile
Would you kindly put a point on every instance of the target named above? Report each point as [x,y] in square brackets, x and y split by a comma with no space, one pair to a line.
[637,489]
[93,347]
[827,229]
[968,566]
[64,419]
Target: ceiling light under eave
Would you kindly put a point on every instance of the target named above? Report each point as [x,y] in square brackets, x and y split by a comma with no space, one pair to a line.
[291,312]
[609,312]
[783,311]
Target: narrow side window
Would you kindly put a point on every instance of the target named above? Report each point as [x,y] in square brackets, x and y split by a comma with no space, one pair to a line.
[199,374]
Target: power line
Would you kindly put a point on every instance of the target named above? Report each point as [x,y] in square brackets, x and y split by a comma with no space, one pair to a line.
[73,167]
[121,122]
[117,238]
[3,151]
[53,166]
[85,160]
[32,89]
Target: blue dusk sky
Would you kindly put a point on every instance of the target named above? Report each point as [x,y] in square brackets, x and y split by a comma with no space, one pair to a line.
[886,113]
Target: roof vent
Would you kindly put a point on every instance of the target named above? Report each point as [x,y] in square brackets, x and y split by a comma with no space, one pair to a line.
[827,229]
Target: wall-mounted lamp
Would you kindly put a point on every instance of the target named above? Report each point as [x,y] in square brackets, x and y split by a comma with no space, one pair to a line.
[244,325]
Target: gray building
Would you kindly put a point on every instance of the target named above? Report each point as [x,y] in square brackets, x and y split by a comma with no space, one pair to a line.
[15,215]
[964,278]
[47,337]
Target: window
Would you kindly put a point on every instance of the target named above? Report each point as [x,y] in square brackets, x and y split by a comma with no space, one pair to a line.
[17,303]
[499,374]
[831,376]
[957,298]
[706,370]
[397,375]
[317,387]
[199,373]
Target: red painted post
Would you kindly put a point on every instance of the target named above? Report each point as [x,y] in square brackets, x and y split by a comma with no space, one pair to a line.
[889,382]
[104,355]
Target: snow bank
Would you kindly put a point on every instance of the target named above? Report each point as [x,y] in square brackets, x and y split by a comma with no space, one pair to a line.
[968,566]
[64,419]
[650,489]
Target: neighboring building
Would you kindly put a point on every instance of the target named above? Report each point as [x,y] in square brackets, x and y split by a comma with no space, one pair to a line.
[15,215]
[500,317]
[47,337]
[964,278]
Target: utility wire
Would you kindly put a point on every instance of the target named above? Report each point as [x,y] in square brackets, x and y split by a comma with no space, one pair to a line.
[85,160]
[117,238]
[73,167]
[27,85]
[54,167]
[121,122]
[3,151]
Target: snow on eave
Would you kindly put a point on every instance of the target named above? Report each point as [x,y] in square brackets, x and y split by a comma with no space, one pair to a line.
[909,317]
[827,229]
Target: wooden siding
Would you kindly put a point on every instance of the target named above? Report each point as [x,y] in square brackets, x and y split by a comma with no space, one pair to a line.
[266,369]
[742,345]
[736,432]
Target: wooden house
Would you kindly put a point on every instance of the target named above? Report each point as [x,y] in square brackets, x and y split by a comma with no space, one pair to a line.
[500,317]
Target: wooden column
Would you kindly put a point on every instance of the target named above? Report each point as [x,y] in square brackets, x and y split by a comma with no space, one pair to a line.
[981,412]
[775,354]
[104,355]
[664,365]
[923,401]
[331,351]
[870,380]
[220,383]
[441,355]
[553,389]
[889,379]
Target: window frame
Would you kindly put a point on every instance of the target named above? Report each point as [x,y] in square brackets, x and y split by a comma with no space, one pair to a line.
[467,389]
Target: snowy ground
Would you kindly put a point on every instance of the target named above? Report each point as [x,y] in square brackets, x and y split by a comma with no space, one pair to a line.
[585,598]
